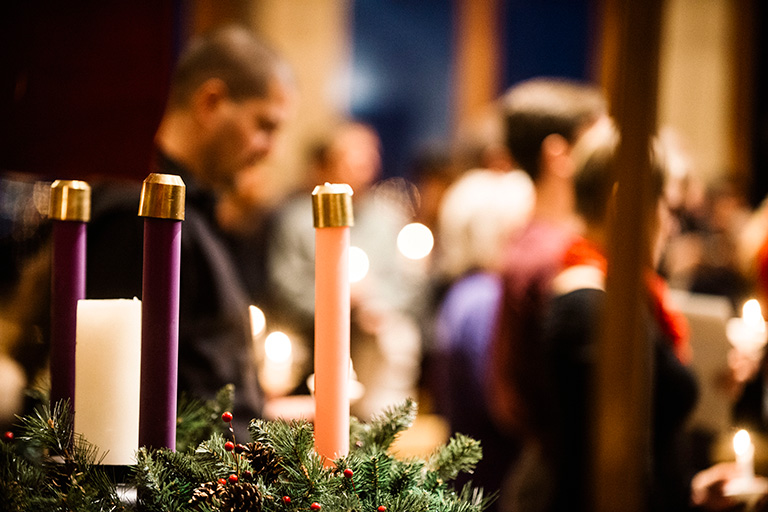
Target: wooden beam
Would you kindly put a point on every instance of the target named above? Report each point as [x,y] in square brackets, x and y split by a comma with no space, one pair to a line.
[743,37]
[477,67]
[624,367]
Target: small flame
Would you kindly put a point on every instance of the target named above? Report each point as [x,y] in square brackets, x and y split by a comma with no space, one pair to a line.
[359,264]
[258,320]
[741,442]
[752,315]
[278,347]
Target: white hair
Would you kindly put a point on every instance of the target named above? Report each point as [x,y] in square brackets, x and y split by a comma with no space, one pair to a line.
[478,215]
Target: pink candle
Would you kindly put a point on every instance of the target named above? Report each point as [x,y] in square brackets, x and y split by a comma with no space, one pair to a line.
[332,211]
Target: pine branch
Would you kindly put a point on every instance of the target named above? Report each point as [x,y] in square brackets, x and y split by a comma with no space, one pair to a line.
[417,500]
[18,477]
[197,420]
[260,430]
[49,428]
[213,454]
[56,468]
[383,428]
[294,444]
[461,454]
[52,469]
[304,478]
[406,475]
[373,477]
[472,499]
[290,439]
[165,479]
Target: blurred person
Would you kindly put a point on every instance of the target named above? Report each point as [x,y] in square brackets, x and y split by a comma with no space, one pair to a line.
[385,338]
[706,219]
[701,256]
[243,214]
[480,141]
[569,336]
[432,172]
[749,370]
[229,96]
[23,350]
[718,272]
[753,250]
[477,145]
[24,293]
[478,214]
[543,117]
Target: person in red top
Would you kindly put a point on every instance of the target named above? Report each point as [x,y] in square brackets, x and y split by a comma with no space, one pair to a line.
[575,298]
[570,335]
[543,117]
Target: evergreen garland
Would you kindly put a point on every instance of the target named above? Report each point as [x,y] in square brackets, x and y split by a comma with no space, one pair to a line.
[49,467]
[198,420]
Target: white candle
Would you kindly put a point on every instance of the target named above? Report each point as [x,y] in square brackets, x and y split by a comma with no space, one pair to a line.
[276,374]
[745,455]
[748,333]
[107,375]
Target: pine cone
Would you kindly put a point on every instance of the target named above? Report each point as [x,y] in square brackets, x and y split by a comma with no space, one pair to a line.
[240,497]
[264,460]
[204,493]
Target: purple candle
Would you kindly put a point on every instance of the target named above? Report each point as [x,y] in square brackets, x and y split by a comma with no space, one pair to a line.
[70,209]
[162,206]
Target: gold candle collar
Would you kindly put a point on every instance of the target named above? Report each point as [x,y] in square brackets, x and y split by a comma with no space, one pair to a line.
[332,205]
[70,200]
[162,197]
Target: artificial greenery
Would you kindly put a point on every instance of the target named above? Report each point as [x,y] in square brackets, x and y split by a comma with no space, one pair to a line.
[277,469]
[49,467]
[198,420]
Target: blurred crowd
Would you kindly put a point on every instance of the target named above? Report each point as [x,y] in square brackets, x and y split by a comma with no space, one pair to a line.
[492,326]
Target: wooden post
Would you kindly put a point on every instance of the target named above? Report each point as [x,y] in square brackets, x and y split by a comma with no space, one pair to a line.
[624,367]
[477,64]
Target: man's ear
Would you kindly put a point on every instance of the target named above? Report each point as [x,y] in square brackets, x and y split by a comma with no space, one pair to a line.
[556,156]
[208,99]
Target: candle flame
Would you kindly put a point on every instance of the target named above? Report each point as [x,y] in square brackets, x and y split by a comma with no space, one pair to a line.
[741,442]
[278,347]
[358,264]
[258,320]
[752,315]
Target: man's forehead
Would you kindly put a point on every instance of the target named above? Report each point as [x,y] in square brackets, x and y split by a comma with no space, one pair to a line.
[281,100]
[272,107]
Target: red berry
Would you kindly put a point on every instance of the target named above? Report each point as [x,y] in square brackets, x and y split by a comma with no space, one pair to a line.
[226,417]
[247,475]
[222,481]
[286,499]
[315,506]
[239,448]
[8,436]
[348,473]
[229,446]
[382,508]
[233,479]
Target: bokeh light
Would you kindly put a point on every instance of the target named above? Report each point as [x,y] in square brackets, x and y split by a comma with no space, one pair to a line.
[415,241]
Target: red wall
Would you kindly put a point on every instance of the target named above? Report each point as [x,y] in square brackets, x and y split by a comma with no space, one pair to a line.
[83,85]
